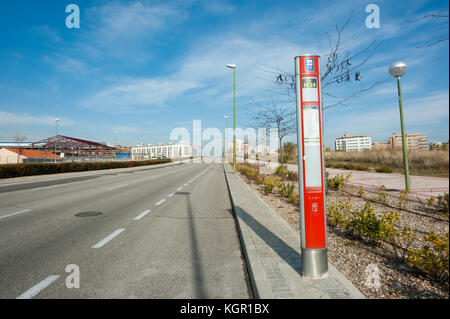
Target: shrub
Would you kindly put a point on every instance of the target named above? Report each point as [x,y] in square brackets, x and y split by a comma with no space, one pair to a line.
[29,169]
[294,198]
[442,203]
[251,171]
[339,214]
[292,176]
[361,192]
[382,196]
[338,181]
[402,199]
[366,224]
[268,186]
[278,170]
[286,190]
[433,258]
[384,169]
[400,238]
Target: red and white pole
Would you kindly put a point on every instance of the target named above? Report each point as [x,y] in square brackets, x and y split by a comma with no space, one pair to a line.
[311,167]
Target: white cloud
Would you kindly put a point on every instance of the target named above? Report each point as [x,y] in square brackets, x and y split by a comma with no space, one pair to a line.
[217,6]
[419,112]
[7,118]
[67,64]
[203,76]
[127,129]
[429,109]
[118,21]
[207,64]
[47,33]
[137,93]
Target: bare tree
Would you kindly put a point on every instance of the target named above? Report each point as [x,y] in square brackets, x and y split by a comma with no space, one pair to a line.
[19,139]
[281,118]
[342,67]
[441,15]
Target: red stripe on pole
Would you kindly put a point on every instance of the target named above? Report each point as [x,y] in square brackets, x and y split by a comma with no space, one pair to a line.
[314,210]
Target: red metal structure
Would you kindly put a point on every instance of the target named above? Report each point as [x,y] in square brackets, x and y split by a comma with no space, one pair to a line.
[75,147]
[311,167]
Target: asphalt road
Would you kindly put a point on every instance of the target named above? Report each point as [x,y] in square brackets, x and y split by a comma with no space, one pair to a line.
[164,232]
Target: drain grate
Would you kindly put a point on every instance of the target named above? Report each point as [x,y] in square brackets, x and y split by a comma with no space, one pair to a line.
[89,214]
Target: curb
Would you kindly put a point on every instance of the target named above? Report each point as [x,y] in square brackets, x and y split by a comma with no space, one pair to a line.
[272,273]
[246,249]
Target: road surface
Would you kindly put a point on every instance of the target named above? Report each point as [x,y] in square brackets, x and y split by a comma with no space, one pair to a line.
[164,232]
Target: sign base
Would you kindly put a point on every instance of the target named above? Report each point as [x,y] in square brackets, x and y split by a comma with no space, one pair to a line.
[314,263]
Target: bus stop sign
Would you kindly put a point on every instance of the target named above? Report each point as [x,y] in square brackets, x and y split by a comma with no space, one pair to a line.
[311,167]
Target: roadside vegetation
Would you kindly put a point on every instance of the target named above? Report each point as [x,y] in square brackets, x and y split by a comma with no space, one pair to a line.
[427,163]
[28,169]
[430,163]
[412,237]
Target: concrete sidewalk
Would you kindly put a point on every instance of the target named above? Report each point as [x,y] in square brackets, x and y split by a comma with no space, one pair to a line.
[272,251]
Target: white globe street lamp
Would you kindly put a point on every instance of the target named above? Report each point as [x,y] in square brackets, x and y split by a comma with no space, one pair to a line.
[397,70]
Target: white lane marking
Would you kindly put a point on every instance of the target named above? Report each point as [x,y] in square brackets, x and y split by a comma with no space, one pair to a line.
[160,202]
[116,187]
[108,238]
[179,188]
[33,291]
[186,184]
[16,213]
[142,214]
[47,187]
[170,195]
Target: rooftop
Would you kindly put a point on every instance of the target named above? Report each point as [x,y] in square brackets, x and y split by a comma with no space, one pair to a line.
[32,153]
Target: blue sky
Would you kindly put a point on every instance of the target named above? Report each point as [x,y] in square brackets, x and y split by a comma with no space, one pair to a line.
[145,67]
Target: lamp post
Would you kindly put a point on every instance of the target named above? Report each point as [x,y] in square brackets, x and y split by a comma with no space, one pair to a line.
[397,70]
[225,138]
[233,66]
[56,135]
[115,145]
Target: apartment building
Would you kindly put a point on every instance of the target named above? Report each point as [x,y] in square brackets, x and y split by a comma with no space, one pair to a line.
[414,142]
[171,150]
[353,143]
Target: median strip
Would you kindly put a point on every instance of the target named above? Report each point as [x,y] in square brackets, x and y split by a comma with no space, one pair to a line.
[108,238]
[33,291]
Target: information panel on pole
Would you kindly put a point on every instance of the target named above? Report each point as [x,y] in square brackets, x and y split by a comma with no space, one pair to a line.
[311,167]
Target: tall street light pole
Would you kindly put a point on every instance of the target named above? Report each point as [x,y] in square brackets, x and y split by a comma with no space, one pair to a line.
[56,135]
[233,66]
[115,145]
[225,138]
[397,70]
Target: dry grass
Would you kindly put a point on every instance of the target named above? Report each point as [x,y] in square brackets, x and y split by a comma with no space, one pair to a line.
[426,162]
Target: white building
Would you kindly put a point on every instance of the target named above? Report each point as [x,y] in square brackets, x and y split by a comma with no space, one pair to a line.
[19,155]
[353,143]
[170,150]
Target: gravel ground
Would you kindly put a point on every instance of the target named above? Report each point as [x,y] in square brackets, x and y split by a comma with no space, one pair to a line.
[357,260]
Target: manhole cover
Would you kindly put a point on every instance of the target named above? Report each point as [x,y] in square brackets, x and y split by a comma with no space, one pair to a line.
[88,214]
